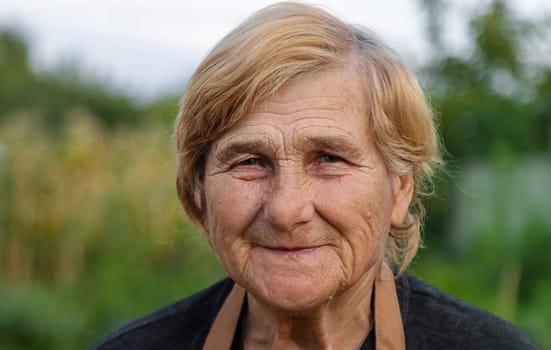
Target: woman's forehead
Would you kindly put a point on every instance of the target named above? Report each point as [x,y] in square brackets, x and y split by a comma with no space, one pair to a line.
[334,95]
[328,105]
[342,82]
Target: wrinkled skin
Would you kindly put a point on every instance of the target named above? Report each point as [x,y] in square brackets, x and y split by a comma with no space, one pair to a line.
[298,204]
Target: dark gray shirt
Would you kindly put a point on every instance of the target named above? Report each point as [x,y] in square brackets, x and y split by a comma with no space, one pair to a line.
[432,320]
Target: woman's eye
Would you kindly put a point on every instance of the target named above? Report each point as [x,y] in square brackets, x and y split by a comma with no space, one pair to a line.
[251,162]
[249,169]
[329,158]
[330,165]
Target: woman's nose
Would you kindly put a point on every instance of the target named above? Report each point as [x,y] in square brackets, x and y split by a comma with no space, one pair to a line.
[289,201]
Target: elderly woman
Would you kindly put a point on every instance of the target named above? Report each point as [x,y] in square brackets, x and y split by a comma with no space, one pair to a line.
[304,145]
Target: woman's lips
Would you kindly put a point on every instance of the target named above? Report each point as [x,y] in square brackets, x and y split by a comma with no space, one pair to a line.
[294,251]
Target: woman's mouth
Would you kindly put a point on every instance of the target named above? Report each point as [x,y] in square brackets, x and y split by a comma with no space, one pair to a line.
[292,251]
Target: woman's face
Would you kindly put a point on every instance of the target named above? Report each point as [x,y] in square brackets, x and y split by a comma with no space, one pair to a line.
[298,202]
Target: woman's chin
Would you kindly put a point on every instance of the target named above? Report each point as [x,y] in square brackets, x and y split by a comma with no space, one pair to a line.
[292,281]
[293,293]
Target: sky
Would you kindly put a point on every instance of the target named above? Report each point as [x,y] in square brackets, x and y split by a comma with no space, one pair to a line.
[148,48]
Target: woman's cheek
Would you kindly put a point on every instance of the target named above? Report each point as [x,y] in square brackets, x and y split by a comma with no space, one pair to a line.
[338,200]
[233,205]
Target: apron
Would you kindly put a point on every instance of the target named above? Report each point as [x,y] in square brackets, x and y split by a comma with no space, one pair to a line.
[389,331]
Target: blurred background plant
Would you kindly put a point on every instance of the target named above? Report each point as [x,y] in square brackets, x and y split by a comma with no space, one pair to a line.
[92,234]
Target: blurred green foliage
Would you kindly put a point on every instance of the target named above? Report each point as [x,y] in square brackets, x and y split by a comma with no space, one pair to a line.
[52,94]
[488,227]
[92,234]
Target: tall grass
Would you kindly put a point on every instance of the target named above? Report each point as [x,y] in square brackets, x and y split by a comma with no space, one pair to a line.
[90,225]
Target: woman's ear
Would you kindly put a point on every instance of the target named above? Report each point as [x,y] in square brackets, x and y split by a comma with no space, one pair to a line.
[402,187]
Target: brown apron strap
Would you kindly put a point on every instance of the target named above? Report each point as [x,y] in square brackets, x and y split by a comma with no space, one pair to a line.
[223,329]
[389,331]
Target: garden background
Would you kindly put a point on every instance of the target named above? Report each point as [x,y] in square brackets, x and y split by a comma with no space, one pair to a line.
[92,234]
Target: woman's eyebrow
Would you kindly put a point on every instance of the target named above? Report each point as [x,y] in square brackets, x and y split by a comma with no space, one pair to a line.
[229,150]
[334,144]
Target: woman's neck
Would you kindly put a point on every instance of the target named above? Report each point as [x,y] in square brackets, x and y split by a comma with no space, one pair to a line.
[343,322]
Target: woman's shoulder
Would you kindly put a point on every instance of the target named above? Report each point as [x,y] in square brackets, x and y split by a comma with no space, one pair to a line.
[184,323]
[434,319]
